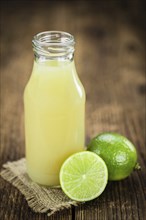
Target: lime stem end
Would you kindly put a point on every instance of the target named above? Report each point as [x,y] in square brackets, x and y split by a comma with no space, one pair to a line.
[137,167]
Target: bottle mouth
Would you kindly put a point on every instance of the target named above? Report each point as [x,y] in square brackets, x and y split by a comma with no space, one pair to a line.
[53,44]
[54,38]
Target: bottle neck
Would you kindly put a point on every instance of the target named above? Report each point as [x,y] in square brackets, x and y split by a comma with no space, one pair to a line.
[53,46]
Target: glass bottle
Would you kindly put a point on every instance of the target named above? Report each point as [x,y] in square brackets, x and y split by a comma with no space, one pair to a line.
[54,107]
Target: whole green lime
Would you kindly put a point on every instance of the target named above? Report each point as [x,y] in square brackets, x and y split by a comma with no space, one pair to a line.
[118,153]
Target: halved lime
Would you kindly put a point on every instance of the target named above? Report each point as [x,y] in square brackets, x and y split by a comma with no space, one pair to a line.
[83,176]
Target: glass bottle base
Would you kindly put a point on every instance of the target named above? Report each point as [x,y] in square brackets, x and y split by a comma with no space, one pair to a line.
[44,179]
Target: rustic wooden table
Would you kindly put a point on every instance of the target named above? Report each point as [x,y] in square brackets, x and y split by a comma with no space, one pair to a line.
[110,59]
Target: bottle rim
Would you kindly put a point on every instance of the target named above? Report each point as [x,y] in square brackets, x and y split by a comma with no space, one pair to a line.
[56,38]
[53,45]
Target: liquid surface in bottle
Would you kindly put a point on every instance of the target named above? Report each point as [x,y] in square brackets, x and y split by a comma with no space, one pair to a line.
[54,101]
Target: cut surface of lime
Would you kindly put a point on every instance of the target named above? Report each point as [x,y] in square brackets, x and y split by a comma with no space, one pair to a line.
[83,176]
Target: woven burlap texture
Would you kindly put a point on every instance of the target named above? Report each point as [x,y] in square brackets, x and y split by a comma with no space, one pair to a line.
[39,198]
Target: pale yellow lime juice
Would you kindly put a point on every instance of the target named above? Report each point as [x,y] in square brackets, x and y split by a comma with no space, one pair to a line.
[54,101]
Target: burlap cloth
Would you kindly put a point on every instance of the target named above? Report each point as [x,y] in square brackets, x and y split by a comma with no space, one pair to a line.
[39,198]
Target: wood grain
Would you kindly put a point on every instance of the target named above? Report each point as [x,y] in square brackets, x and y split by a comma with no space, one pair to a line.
[110,60]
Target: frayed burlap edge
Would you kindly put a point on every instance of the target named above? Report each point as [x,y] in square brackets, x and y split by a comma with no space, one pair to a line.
[39,198]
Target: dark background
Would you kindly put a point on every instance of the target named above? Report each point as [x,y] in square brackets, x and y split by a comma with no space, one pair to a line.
[110,59]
